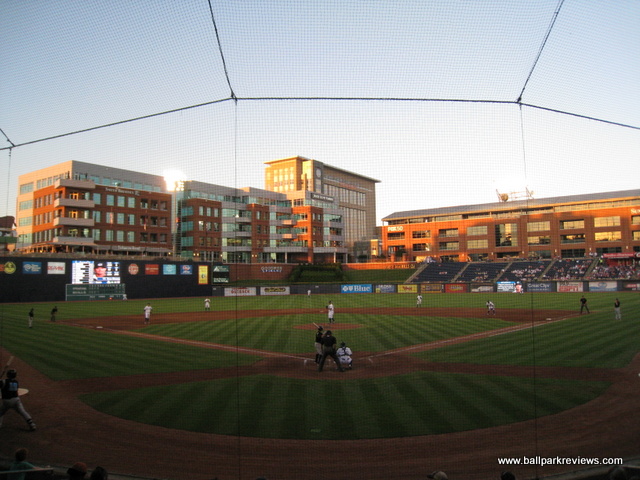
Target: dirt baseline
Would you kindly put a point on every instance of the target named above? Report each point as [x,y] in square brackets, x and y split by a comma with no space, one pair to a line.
[70,431]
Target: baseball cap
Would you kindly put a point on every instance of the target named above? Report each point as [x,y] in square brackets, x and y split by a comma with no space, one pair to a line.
[438,475]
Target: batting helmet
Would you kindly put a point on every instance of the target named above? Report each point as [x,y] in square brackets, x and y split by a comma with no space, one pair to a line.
[12,373]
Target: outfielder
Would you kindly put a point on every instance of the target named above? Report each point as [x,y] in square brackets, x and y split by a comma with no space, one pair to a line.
[10,398]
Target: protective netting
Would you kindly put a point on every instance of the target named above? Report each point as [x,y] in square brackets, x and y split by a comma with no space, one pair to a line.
[443,101]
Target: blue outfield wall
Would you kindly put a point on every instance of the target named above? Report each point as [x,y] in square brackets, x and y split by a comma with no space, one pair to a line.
[24,279]
[38,279]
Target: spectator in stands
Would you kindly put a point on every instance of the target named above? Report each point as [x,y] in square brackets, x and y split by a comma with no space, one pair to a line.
[99,473]
[507,476]
[20,463]
[77,471]
[438,475]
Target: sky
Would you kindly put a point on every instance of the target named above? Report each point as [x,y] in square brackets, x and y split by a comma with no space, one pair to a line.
[420,95]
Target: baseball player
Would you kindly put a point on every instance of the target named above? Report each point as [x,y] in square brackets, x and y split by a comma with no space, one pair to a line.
[11,399]
[207,304]
[330,312]
[419,300]
[318,343]
[147,313]
[491,308]
[344,354]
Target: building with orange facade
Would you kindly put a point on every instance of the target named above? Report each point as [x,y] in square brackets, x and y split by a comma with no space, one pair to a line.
[560,227]
[354,193]
[80,207]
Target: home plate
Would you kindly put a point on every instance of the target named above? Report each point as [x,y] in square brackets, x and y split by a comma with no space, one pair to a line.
[22,391]
[98,327]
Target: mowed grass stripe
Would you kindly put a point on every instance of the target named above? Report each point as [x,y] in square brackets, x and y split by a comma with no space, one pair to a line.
[587,341]
[338,409]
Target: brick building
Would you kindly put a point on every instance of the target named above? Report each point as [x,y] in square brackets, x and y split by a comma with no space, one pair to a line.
[80,207]
[567,227]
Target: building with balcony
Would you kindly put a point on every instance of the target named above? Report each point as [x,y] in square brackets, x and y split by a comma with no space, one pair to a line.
[355,194]
[566,227]
[80,207]
[249,225]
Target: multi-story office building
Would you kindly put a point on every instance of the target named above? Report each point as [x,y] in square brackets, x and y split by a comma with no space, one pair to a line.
[250,225]
[568,226]
[75,206]
[355,194]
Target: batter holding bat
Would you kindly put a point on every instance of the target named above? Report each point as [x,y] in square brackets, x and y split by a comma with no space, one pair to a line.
[10,397]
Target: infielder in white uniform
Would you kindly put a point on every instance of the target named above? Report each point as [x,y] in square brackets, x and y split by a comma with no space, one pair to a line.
[330,312]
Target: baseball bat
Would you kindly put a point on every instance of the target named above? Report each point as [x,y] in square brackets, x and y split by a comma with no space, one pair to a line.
[317,326]
[10,361]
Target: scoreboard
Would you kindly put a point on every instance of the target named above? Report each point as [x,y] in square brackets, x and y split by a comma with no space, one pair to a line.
[96,291]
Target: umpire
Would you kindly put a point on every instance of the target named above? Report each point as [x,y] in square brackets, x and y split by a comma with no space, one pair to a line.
[329,350]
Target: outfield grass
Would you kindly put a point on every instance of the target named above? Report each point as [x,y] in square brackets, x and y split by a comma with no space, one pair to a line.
[420,403]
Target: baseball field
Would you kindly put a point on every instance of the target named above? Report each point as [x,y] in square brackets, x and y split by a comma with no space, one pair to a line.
[234,392]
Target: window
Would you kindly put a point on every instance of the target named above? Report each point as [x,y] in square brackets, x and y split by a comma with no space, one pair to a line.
[97,198]
[608,236]
[448,232]
[606,221]
[131,237]
[540,240]
[108,235]
[478,243]
[110,200]
[635,220]
[480,230]
[572,238]
[636,235]
[121,201]
[131,202]
[120,236]
[421,234]
[571,224]
[120,218]
[506,235]
[449,245]
[96,234]
[109,217]
[131,219]
[26,188]
[538,226]
[421,247]
[396,236]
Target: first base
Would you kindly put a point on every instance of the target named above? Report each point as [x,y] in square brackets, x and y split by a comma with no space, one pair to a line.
[22,391]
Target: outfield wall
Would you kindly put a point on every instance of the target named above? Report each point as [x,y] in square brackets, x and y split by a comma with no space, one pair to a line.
[40,279]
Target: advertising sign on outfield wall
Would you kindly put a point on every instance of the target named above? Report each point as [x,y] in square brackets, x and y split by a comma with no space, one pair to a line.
[385,289]
[431,288]
[631,286]
[240,291]
[570,287]
[359,288]
[481,288]
[540,287]
[275,290]
[456,288]
[508,287]
[603,286]
[407,288]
